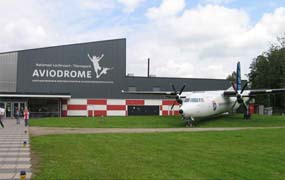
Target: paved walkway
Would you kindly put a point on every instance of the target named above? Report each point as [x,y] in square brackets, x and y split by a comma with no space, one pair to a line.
[14,157]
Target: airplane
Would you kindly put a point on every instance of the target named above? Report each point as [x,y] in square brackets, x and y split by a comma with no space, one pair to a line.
[196,105]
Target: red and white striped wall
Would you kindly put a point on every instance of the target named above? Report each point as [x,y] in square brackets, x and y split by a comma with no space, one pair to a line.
[114,107]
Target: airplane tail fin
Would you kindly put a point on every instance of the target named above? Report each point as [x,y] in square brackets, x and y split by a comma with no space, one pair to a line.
[238,78]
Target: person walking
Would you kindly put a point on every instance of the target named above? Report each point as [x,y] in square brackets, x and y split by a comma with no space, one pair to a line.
[26,116]
[17,116]
[2,112]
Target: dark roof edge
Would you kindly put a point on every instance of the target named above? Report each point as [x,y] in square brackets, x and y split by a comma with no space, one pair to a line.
[35,93]
[61,45]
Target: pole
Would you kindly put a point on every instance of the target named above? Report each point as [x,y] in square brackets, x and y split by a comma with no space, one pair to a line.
[148,64]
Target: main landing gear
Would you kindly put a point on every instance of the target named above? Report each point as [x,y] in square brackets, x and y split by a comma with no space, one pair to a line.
[190,122]
[247,115]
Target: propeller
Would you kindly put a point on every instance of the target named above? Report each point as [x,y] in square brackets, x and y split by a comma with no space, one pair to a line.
[178,95]
[239,97]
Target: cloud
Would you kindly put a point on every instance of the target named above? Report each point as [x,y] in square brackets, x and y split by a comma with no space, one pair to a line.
[130,5]
[98,5]
[217,1]
[205,41]
[166,9]
[25,27]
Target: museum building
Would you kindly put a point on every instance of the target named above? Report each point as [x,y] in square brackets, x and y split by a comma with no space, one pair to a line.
[85,79]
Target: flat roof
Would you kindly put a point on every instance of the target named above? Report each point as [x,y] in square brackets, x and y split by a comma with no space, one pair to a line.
[36,95]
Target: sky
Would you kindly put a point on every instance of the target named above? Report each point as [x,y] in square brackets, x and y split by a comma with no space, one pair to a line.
[183,38]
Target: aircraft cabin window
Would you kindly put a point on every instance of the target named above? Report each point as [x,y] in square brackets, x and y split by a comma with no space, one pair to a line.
[196,100]
[187,100]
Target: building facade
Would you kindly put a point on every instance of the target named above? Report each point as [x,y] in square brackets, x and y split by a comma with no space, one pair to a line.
[84,79]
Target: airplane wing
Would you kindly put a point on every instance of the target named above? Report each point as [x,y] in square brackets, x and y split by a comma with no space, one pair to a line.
[170,94]
[254,92]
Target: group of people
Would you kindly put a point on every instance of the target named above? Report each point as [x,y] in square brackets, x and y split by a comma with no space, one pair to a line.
[17,116]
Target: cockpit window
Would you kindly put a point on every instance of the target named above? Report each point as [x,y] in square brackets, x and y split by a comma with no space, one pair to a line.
[196,100]
[187,100]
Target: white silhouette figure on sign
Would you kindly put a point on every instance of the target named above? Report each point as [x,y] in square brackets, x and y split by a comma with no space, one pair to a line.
[97,68]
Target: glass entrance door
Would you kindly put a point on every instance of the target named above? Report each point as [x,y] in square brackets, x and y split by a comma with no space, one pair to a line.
[20,106]
[8,110]
[11,107]
[15,108]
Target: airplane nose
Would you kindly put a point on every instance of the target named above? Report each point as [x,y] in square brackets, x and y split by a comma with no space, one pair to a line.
[180,111]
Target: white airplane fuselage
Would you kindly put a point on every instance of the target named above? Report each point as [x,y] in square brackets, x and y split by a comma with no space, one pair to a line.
[205,104]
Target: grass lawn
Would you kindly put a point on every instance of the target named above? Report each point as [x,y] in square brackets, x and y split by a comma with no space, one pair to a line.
[247,154]
[235,120]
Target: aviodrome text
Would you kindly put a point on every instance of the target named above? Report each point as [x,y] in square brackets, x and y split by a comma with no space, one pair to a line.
[58,73]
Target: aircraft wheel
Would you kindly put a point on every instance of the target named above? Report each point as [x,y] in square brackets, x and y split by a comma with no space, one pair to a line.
[246,116]
[189,124]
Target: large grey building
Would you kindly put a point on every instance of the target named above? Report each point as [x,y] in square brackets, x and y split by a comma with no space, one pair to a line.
[84,80]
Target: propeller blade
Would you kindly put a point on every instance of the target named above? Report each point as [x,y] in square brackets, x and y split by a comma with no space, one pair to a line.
[234,105]
[249,99]
[172,106]
[182,89]
[243,88]
[173,88]
[234,87]
[244,108]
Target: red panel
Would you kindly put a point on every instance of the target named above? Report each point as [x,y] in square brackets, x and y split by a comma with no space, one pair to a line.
[100,113]
[176,113]
[116,107]
[169,102]
[164,113]
[64,113]
[134,102]
[97,101]
[76,107]
[89,113]
[160,108]
[251,108]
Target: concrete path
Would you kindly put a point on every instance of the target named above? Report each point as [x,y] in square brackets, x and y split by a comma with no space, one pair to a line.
[14,157]
[38,131]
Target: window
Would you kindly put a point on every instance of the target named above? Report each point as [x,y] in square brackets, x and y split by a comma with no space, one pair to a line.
[44,107]
[196,100]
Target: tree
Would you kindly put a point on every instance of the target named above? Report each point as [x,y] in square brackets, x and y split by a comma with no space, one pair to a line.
[268,71]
